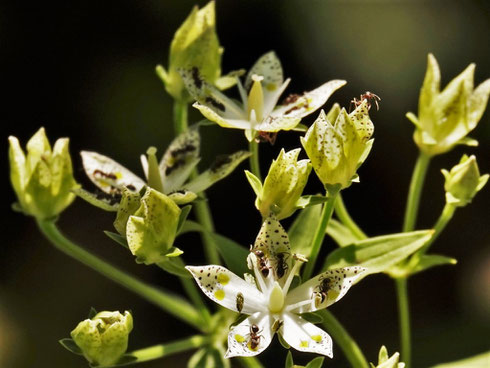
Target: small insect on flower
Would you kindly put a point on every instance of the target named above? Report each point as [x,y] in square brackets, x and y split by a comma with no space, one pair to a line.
[368,96]
[239,302]
[276,326]
[263,137]
[282,265]
[262,262]
[320,295]
[254,337]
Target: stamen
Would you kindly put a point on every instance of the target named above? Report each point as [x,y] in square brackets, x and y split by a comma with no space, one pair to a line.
[154,178]
[291,307]
[258,274]
[291,274]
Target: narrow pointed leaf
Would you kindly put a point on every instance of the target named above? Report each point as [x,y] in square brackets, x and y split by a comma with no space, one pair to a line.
[342,235]
[117,238]
[432,260]
[315,363]
[173,266]
[302,230]
[183,216]
[255,183]
[106,202]
[233,253]
[310,200]
[70,345]
[289,360]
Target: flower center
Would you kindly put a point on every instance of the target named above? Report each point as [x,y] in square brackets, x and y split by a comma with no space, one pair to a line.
[256,98]
[276,299]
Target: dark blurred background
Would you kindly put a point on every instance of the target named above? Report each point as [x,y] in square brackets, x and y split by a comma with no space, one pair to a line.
[86,70]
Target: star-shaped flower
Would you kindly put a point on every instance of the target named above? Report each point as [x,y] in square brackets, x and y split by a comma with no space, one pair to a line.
[267,299]
[260,94]
[170,176]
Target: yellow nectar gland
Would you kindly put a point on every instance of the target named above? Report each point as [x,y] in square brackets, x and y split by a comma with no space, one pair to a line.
[223,278]
[239,338]
[276,299]
[219,294]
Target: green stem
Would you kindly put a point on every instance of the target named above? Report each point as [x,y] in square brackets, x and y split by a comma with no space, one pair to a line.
[339,334]
[446,216]
[415,191]
[171,303]
[319,236]
[163,350]
[254,158]
[250,362]
[180,116]
[344,217]
[404,320]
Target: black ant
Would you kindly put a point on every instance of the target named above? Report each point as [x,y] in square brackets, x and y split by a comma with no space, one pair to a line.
[262,262]
[282,266]
[368,96]
[254,337]
[322,289]
[263,137]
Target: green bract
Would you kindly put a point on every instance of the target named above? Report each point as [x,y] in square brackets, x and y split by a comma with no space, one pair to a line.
[195,44]
[42,179]
[104,338]
[337,150]
[463,181]
[152,229]
[446,117]
[283,185]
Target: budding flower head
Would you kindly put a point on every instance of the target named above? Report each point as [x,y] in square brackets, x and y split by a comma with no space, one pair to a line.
[42,179]
[336,150]
[104,338]
[283,185]
[195,44]
[385,361]
[152,228]
[463,181]
[446,117]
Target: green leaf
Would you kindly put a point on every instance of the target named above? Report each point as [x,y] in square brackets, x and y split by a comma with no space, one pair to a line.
[312,318]
[70,345]
[302,231]
[117,238]
[92,313]
[289,360]
[340,233]
[480,360]
[283,342]
[378,254]
[310,200]
[233,253]
[315,363]
[191,226]
[183,216]
[255,183]
[174,266]
[432,260]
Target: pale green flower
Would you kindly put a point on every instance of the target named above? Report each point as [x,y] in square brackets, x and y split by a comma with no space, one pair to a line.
[195,44]
[259,110]
[446,117]
[267,299]
[463,181]
[104,338]
[281,192]
[338,143]
[42,179]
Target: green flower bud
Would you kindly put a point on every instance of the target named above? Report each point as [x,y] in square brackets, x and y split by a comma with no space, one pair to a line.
[445,118]
[283,185]
[152,229]
[463,181]
[385,361]
[336,151]
[195,45]
[104,338]
[42,179]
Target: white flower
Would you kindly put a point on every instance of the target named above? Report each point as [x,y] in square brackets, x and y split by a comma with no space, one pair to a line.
[258,112]
[267,299]
[170,176]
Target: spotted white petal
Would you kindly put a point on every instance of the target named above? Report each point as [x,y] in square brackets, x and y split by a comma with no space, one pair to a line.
[107,174]
[310,101]
[276,123]
[322,290]
[227,289]
[221,121]
[305,336]
[240,337]
[269,67]
[221,168]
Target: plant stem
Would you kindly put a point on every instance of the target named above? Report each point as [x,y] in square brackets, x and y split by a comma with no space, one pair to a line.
[250,362]
[404,320]
[446,216]
[169,302]
[319,236]
[415,191]
[163,350]
[180,116]
[254,158]
[339,334]
[344,217]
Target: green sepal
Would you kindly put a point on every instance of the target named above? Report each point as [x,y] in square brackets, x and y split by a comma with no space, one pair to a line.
[184,212]
[283,342]
[174,252]
[312,318]
[427,261]
[172,266]
[121,240]
[310,200]
[315,363]
[70,345]
[342,235]
[302,231]
[378,254]
[255,183]
[289,360]
[300,128]
[130,201]
[106,204]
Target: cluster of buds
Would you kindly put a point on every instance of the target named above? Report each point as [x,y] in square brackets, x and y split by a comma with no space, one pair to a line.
[42,179]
